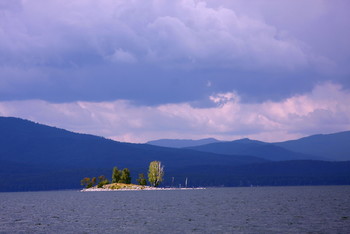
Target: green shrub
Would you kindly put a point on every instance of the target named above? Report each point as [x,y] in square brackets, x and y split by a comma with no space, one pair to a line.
[101,183]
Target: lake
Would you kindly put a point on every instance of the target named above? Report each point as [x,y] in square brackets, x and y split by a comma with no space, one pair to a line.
[318,209]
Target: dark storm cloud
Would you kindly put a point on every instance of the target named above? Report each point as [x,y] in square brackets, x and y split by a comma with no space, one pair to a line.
[153,52]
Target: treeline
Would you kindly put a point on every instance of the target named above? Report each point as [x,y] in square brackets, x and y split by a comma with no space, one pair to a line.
[91,182]
[155,177]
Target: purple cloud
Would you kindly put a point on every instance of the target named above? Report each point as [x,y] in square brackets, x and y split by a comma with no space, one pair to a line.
[85,50]
[199,68]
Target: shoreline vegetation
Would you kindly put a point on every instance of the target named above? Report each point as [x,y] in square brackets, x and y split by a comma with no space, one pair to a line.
[130,187]
[121,181]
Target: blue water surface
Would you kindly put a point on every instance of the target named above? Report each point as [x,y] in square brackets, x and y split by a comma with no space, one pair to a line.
[318,209]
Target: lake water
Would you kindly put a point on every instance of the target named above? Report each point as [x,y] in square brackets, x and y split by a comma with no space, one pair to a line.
[213,210]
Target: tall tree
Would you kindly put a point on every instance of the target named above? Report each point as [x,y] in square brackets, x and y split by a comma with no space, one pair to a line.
[125,177]
[142,180]
[86,182]
[115,175]
[102,181]
[93,181]
[155,173]
[101,178]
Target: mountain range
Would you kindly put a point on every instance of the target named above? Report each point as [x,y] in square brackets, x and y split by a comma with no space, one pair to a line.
[255,148]
[181,143]
[331,147]
[334,146]
[39,157]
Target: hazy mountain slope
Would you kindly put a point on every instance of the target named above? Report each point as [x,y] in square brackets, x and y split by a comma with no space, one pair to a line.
[255,148]
[30,150]
[26,142]
[330,146]
[38,157]
[181,143]
[229,147]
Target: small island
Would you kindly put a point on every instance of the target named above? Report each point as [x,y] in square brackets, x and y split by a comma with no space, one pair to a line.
[118,186]
[121,180]
[128,187]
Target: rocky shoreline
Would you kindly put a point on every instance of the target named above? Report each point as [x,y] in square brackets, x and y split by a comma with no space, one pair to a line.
[130,187]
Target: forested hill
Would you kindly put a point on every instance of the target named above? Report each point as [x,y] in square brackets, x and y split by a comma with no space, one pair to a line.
[334,146]
[261,149]
[36,157]
[182,143]
[31,150]
[27,142]
[331,147]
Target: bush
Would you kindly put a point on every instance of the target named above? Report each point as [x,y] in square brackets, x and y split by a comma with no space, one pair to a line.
[101,183]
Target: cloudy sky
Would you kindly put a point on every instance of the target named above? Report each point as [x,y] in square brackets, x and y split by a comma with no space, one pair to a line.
[141,70]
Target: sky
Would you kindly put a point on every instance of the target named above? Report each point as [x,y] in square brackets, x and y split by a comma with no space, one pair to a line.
[142,70]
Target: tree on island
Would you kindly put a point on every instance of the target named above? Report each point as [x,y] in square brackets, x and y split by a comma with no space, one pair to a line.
[115,175]
[125,177]
[93,181]
[102,181]
[142,180]
[87,182]
[155,173]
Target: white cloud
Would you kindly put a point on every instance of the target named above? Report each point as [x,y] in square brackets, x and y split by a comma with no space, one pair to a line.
[223,98]
[324,110]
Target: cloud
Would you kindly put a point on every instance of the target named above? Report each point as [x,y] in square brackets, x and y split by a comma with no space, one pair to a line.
[323,110]
[122,56]
[48,32]
[65,51]
[223,98]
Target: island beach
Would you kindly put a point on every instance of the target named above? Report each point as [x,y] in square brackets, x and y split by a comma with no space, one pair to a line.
[130,187]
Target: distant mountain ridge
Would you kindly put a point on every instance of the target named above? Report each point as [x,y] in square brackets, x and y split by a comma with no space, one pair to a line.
[39,157]
[332,147]
[32,150]
[255,148]
[182,143]
[27,142]
[335,146]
